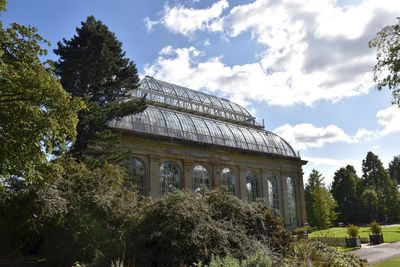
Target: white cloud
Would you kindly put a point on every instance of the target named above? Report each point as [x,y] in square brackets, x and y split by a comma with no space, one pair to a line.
[338,163]
[305,135]
[183,20]
[314,50]
[388,118]
[149,24]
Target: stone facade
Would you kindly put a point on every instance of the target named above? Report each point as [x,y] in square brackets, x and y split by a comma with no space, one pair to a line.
[154,152]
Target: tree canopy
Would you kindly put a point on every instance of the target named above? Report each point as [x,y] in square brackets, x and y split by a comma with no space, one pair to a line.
[319,202]
[344,191]
[36,115]
[394,168]
[387,67]
[92,65]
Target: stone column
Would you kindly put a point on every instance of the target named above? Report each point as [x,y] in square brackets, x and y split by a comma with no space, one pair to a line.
[154,177]
[187,175]
[301,199]
[242,184]
[264,184]
[282,190]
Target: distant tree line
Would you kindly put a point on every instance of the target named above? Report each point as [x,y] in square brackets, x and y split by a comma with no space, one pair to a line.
[353,199]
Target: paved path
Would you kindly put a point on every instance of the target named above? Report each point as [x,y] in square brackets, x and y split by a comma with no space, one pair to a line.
[378,253]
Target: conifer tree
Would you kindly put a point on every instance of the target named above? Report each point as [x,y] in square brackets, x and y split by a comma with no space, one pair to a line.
[92,65]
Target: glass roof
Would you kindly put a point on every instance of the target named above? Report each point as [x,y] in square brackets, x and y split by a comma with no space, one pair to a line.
[171,123]
[188,100]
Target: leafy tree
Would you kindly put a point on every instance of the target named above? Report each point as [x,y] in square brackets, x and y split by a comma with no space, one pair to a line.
[344,191]
[394,169]
[319,203]
[376,179]
[36,116]
[386,70]
[92,65]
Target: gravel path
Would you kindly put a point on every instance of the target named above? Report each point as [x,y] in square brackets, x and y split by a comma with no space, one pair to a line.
[378,253]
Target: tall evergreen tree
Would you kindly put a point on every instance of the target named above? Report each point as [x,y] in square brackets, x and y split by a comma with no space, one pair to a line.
[320,205]
[394,169]
[344,191]
[376,179]
[92,65]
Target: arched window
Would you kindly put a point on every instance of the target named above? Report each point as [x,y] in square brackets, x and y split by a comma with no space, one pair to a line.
[170,176]
[273,195]
[228,180]
[292,203]
[137,169]
[252,186]
[201,178]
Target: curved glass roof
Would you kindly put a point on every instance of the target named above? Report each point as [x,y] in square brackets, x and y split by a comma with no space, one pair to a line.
[181,98]
[171,123]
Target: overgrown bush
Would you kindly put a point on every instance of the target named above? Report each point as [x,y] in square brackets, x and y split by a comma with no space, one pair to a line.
[79,213]
[259,259]
[321,255]
[184,227]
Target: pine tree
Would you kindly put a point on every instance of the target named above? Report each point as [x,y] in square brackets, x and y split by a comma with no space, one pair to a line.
[93,66]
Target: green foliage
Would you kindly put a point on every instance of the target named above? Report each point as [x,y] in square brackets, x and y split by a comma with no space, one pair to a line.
[77,214]
[37,116]
[183,227]
[394,169]
[344,190]
[353,230]
[322,255]
[376,228]
[259,259]
[319,202]
[380,197]
[387,43]
[93,66]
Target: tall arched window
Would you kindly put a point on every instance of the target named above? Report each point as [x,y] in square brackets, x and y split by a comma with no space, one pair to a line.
[201,178]
[252,186]
[137,169]
[292,203]
[228,180]
[273,195]
[170,176]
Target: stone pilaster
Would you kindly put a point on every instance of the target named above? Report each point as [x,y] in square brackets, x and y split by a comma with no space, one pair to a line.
[154,177]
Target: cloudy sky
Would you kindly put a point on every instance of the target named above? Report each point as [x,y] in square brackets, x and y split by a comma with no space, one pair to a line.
[303,66]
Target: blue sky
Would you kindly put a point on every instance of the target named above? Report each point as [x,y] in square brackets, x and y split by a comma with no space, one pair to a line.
[302,66]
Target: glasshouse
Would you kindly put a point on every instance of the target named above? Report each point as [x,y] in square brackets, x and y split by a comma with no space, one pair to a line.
[191,140]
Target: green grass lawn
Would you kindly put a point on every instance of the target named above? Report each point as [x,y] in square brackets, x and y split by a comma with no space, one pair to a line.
[390,233]
[393,262]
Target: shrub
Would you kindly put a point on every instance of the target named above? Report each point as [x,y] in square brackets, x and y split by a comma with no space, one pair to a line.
[184,227]
[352,230]
[259,259]
[375,227]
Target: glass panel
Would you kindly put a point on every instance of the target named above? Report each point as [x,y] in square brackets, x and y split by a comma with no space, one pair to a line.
[252,186]
[227,134]
[292,203]
[273,196]
[173,124]
[240,140]
[201,178]
[136,168]
[228,180]
[170,177]
[216,134]
[202,130]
